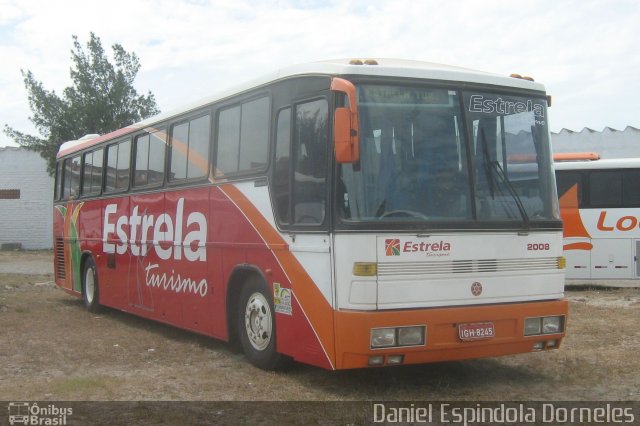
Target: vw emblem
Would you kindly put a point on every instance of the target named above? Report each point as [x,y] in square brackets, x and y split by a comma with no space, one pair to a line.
[476,289]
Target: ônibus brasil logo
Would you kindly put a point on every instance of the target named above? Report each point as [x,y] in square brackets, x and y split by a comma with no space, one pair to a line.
[27,413]
[394,247]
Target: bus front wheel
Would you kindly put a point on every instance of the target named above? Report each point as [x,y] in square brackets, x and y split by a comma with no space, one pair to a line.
[90,290]
[256,326]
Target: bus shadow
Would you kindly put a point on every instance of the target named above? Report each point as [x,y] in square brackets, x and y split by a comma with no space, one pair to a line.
[436,381]
[166,331]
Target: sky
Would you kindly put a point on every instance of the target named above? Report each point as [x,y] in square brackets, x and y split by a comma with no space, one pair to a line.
[585,52]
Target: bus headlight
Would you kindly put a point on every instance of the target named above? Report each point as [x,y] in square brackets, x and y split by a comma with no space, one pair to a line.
[543,325]
[551,325]
[383,337]
[411,336]
[532,326]
[398,336]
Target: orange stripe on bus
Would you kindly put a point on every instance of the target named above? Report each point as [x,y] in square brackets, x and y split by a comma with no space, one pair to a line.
[312,301]
[570,212]
[578,246]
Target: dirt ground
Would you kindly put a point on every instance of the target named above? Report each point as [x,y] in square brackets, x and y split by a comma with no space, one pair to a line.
[51,348]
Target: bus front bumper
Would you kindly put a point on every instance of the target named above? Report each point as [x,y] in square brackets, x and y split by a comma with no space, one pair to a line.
[443,340]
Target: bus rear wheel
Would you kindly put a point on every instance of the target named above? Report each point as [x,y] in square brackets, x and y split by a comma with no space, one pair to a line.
[90,288]
[256,327]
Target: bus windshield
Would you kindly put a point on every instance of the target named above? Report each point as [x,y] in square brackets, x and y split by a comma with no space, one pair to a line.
[443,155]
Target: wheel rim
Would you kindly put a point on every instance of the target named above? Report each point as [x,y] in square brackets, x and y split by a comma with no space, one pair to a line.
[90,285]
[257,321]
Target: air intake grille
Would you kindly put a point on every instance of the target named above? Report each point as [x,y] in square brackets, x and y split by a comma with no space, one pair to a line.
[60,258]
[465,266]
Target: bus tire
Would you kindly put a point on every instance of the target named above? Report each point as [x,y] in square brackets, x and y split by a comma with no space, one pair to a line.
[90,288]
[256,326]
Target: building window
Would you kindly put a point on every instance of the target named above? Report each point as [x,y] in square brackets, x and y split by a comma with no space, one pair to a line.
[9,194]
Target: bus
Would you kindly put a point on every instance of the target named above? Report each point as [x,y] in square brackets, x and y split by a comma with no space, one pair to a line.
[343,214]
[600,207]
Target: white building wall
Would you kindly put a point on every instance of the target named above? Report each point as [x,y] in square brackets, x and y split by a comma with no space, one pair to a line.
[609,143]
[28,220]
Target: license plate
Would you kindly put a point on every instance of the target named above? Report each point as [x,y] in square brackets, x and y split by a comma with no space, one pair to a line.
[476,331]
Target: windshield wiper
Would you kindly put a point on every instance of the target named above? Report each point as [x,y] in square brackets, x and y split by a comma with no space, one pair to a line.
[499,171]
[512,191]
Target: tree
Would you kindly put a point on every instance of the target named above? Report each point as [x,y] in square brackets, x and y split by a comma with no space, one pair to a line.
[102,99]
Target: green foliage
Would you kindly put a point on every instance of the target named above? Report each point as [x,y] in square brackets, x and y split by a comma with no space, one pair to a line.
[102,99]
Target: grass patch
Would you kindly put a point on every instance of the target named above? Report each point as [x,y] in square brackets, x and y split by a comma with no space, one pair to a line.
[78,386]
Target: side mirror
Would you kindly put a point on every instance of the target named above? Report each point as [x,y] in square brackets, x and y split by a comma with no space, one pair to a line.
[346,124]
[345,142]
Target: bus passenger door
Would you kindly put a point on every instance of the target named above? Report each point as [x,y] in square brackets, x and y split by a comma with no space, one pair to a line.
[144,211]
[309,241]
[187,300]
[113,266]
[309,191]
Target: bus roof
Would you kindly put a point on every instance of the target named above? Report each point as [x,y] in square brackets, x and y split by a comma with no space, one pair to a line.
[617,163]
[336,67]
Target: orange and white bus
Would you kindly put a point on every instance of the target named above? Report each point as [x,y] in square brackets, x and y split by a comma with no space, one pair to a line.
[342,214]
[600,207]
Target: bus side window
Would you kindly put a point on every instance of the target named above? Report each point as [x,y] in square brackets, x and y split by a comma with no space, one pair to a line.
[605,189]
[567,180]
[141,170]
[190,149]
[118,165]
[228,141]
[149,165]
[254,135]
[71,178]
[199,142]
[92,177]
[631,188]
[96,174]
[112,162]
[86,177]
[243,138]
[57,190]
[156,158]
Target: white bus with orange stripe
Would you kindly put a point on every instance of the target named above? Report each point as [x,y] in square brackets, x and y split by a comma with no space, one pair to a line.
[342,214]
[600,207]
